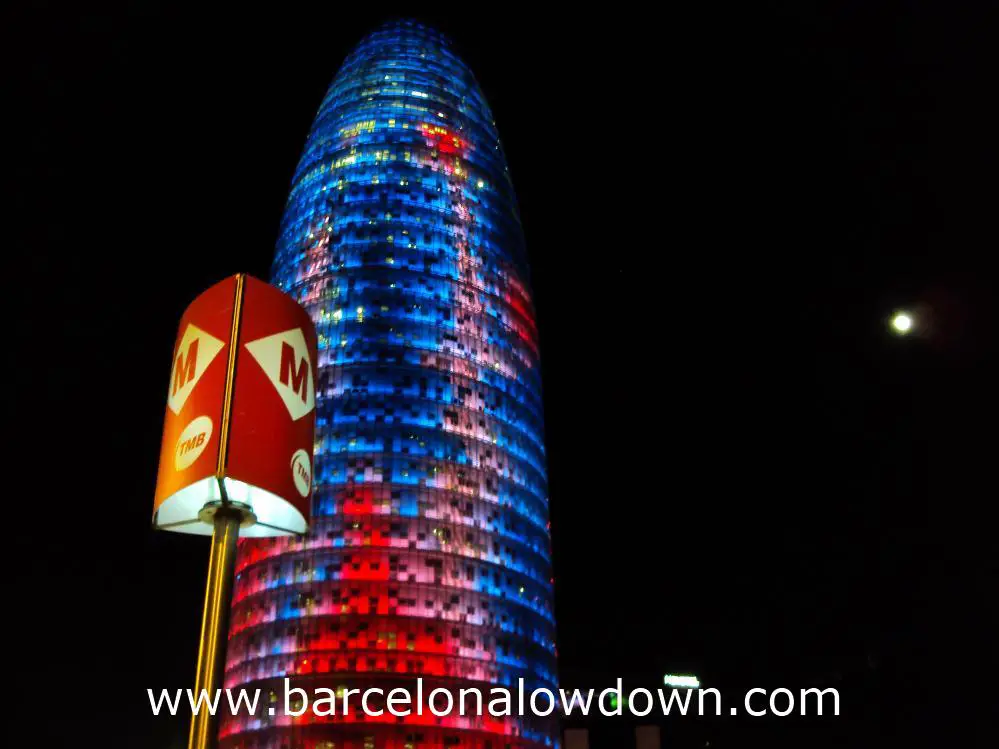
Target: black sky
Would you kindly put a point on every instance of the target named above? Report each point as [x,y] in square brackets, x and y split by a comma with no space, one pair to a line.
[750,478]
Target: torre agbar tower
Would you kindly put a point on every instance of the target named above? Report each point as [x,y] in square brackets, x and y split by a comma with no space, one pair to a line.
[429,554]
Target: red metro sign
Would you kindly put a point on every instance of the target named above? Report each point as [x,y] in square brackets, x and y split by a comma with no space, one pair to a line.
[240,419]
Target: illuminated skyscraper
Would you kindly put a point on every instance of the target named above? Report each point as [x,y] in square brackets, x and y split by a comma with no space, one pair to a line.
[430,553]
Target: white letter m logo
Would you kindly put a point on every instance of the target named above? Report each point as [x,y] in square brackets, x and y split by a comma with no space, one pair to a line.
[284,357]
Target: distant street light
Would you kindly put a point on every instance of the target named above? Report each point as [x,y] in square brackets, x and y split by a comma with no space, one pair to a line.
[681,681]
[901,323]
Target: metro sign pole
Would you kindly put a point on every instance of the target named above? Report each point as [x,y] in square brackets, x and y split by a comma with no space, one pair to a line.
[238,438]
[218,594]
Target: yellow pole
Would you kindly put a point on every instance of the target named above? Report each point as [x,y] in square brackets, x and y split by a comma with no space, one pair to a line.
[211,654]
[226,521]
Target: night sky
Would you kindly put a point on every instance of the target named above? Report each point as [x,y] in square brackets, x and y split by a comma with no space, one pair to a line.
[751,479]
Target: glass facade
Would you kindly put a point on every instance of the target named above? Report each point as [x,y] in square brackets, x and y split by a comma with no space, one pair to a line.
[429,554]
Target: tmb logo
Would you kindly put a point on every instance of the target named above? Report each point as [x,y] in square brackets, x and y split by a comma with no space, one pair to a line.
[301,472]
[284,357]
[196,351]
[192,442]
